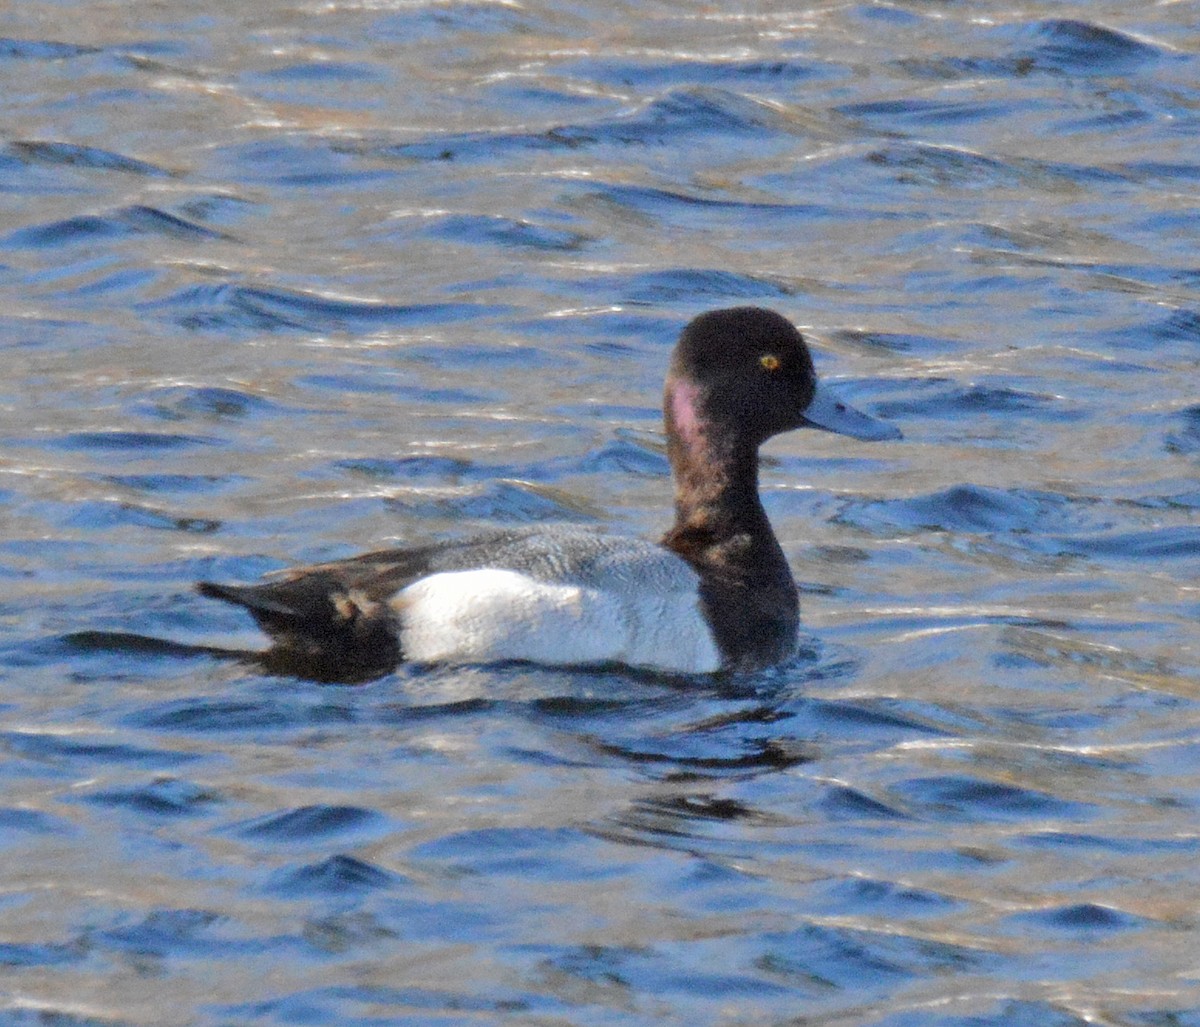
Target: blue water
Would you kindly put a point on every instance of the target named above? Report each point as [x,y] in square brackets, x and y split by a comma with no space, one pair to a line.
[281,281]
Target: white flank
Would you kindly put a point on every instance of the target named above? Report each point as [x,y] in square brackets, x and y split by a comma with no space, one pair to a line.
[486,615]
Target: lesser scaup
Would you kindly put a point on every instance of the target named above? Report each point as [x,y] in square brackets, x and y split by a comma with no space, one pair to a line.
[716,593]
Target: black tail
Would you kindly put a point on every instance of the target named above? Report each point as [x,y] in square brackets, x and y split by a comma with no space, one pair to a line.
[283,607]
[318,628]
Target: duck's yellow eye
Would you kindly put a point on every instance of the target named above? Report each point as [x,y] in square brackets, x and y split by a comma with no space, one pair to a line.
[769,361]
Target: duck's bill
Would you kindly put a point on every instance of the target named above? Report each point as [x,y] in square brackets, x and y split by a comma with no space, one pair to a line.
[828,412]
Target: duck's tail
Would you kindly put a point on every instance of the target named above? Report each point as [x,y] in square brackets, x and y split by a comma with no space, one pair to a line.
[319,629]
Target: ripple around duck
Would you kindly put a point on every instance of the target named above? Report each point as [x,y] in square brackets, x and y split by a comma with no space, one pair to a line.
[18,822]
[125,655]
[1151,171]
[943,400]
[694,111]
[543,854]
[1181,325]
[883,720]
[422,468]
[678,972]
[1171,543]
[105,515]
[841,802]
[131,443]
[893,342]
[1055,46]
[925,164]
[88,228]
[709,757]
[1078,47]
[954,798]
[873,897]
[88,157]
[73,751]
[363,1004]
[672,285]
[494,230]
[173,933]
[164,799]
[865,962]
[335,876]
[1087,918]
[617,456]
[1185,439]
[505,502]
[308,823]
[41,50]
[1069,654]
[678,206]
[921,114]
[44,955]
[234,715]
[1002,1013]
[260,308]
[976,509]
[1141,846]
[649,75]
[433,21]
[201,402]
[371,381]
[299,161]
[320,71]
[37,332]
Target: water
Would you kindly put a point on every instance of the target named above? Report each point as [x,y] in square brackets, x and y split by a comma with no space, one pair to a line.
[282,281]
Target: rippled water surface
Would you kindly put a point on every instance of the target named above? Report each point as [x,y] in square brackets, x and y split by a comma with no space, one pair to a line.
[283,280]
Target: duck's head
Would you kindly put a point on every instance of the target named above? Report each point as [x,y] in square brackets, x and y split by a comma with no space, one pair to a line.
[746,373]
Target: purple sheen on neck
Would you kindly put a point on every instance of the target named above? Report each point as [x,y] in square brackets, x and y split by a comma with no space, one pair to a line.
[687,423]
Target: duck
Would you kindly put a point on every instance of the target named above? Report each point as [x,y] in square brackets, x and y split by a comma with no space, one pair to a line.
[714,594]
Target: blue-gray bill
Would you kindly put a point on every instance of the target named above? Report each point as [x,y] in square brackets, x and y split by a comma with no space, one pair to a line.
[829,413]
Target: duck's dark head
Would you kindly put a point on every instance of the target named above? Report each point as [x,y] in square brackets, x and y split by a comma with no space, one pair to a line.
[744,374]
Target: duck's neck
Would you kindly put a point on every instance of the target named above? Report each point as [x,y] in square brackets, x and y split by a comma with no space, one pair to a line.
[721,529]
[716,482]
